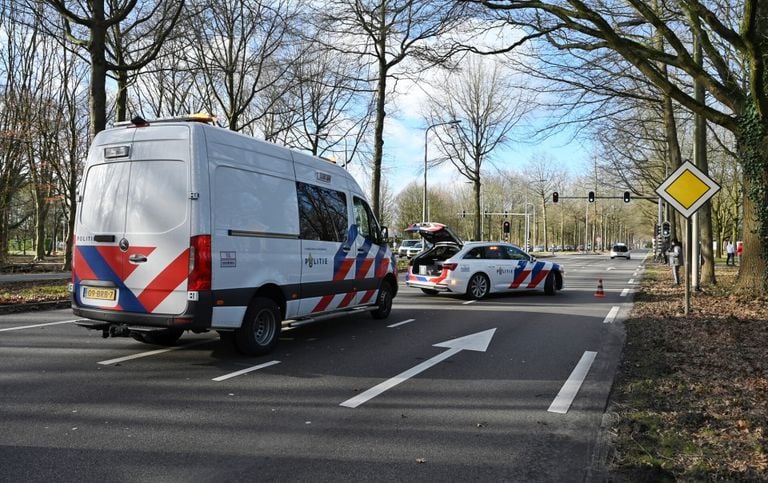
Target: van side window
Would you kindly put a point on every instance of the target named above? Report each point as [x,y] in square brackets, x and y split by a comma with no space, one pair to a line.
[366,223]
[322,213]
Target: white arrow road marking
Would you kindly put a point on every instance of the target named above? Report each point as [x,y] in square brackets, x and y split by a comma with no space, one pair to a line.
[473,342]
[568,392]
[611,315]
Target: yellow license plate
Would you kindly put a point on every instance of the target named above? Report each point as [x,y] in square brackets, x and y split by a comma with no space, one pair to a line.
[100,293]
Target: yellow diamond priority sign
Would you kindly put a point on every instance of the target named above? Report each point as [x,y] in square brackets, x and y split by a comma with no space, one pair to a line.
[687,189]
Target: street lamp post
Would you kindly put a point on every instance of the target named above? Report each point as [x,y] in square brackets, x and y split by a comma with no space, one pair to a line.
[426,133]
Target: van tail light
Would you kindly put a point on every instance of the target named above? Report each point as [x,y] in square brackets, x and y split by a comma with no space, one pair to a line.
[450,266]
[199,263]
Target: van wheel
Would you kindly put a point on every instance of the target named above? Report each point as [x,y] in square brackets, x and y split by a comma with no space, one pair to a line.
[429,291]
[478,286]
[261,328]
[384,302]
[549,284]
[159,337]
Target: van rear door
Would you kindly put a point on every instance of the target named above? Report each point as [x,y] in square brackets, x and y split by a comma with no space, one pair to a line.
[133,234]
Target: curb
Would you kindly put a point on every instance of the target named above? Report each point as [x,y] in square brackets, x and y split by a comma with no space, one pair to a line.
[34,306]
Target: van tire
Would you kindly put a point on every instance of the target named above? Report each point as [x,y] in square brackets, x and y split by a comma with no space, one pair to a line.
[165,337]
[261,327]
[383,302]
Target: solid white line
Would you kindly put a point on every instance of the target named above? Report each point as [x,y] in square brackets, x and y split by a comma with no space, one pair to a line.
[152,353]
[401,323]
[468,302]
[38,325]
[568,392]
[244,371]
[611,315]
[624,292]
[390,383]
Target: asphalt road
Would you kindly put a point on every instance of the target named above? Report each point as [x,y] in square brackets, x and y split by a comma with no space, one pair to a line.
[347,399]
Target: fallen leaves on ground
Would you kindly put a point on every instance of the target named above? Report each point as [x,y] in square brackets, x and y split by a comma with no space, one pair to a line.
[691,399]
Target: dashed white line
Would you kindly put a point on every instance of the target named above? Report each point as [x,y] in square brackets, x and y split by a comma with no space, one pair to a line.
[244,371]
[624,292]
[400,323]
[152,353]
[38,325]
[568,392]
[611,315]
[468,302]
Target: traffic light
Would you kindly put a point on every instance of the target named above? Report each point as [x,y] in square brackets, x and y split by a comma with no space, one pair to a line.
[626,196]
[665,229]
[463,213]
[505,227]
[591,197]
[555,197]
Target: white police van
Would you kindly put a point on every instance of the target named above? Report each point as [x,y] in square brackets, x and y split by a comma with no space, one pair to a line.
[183,225]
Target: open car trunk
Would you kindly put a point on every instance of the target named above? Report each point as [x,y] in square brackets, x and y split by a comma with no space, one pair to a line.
[431,261]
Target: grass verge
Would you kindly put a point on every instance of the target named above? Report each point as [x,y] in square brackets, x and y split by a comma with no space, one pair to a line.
[691,399]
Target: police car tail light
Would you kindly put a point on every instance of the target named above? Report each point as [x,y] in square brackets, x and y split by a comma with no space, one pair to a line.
[199,263]
[450,266]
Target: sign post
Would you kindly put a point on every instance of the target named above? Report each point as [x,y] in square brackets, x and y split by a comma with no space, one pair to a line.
[687,189]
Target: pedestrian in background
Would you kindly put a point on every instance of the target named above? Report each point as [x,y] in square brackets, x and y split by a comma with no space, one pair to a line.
[730,251]
[739,250]
[676,260]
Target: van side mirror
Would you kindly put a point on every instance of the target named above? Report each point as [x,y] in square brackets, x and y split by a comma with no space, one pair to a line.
[384,234]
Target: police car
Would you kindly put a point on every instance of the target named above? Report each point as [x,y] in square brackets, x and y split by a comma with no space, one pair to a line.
[477,268]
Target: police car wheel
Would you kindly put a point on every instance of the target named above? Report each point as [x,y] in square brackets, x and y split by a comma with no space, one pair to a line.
[261,328]
[477,287]
[549,284]
[383,302]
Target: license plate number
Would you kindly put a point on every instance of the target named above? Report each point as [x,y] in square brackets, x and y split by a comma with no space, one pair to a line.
[100,293]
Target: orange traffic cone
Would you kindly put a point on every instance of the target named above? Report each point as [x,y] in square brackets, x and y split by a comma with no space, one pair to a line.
[600,292]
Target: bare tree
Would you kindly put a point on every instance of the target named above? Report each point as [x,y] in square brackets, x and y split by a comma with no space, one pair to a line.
[87,26]
[239,49]
[385,33]
[489,106]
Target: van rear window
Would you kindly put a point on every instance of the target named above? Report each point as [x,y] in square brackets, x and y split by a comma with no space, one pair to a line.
[102,208]
[157,196]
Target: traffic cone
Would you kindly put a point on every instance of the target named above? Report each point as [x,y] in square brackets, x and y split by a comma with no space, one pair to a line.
[600,292]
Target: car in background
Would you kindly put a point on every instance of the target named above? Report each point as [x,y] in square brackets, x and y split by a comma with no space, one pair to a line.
[477,269]
[620,250]
[414,250]
[405,245]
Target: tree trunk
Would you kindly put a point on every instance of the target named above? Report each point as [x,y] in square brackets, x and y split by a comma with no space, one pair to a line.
[751,278]
[41,213]
[752,144]
[478,210]
[97,47]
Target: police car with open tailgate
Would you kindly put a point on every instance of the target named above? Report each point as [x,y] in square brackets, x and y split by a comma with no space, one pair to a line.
[477,268]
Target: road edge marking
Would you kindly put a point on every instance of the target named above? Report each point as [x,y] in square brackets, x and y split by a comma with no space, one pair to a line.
[244,371]
[570,389]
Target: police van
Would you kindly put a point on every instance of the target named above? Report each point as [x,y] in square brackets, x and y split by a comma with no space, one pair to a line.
[183,225]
